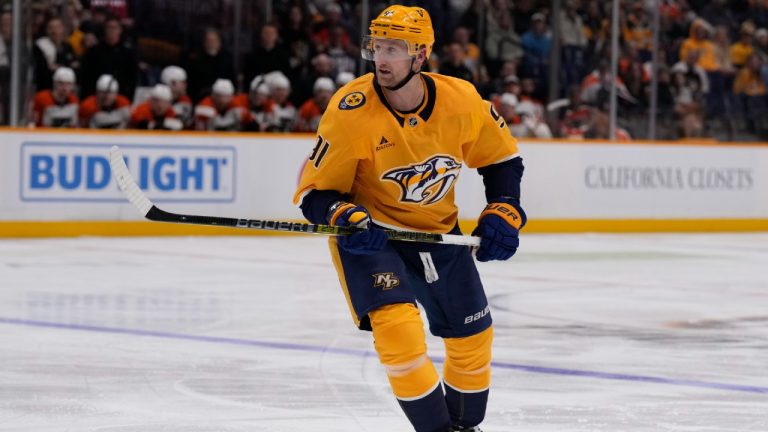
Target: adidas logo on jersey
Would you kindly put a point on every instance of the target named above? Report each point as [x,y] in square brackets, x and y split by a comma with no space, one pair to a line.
[384,143]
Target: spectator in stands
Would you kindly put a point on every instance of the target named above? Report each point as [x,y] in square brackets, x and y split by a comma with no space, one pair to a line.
[111,56]
[295,27]
[743,48]
[57,107]
[454,65]
[600,126]
[343,53]
[322,67]
[72,18]
[512,86]
[637,31]
[689,98]
[698,41]
[221,111]
[724,50]
[717,13]
[107,109]
[761,42]
[597,28]
[751,89]
[502,43]
[463,37]
[51,52]
[156,113]
[536,43]
[312,110]
[269,55]
[758,11]
[209,64]
[176,79]
[574,44]
[324,30]
[260,105]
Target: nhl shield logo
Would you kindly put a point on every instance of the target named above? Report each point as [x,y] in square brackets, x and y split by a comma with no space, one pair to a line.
[352,101]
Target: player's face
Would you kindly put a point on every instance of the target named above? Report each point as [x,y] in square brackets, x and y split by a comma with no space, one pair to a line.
[392,61]
[280,94]
[221,101]
[62,89]
[159,106]
[178,88]
[106,99]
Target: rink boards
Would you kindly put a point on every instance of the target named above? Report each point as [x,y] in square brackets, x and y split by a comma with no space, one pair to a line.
[57,183]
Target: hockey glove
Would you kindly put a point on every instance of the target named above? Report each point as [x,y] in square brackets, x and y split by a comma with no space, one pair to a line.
[498,227]
[366,242]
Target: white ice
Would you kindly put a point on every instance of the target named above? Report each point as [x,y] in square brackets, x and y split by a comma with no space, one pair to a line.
[593,333]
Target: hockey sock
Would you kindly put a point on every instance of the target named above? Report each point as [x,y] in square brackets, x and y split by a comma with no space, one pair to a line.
[400,342]
[467,377]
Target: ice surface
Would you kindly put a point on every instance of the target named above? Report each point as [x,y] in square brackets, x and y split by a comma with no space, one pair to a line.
[593,333]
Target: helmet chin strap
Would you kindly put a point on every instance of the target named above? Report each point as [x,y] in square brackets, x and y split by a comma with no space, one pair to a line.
[405,80]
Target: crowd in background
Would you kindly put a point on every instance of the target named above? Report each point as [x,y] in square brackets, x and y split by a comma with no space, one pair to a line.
[176,64]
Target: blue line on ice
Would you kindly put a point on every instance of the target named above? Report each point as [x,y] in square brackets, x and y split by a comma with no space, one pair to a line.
[367,353]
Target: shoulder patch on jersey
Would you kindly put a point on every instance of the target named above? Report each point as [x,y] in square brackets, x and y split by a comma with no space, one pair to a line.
[352,101]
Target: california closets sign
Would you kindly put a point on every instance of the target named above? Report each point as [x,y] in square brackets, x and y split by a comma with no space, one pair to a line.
[669,178]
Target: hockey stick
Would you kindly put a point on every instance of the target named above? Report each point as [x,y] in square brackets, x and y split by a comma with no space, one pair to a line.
[150,211]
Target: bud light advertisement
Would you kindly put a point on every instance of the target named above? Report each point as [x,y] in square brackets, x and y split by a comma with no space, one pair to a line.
[70,172]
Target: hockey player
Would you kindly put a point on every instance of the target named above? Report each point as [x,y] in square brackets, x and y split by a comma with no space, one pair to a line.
[312,110]
[57,107]
[260,106]
[106,109]
[156,113]
[221,111]
[388,152]
[176,79]
[284,113]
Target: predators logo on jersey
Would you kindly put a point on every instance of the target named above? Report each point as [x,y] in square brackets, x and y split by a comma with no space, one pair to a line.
[427,181]
[352,101]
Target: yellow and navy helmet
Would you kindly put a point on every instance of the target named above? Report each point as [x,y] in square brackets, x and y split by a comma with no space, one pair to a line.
[409,24]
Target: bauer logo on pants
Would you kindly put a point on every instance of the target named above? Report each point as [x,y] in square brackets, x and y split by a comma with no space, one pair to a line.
[75,172]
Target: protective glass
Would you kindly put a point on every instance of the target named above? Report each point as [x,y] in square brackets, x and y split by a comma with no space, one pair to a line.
[381,49]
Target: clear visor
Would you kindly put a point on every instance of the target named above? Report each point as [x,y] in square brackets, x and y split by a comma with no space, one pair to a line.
[381,49]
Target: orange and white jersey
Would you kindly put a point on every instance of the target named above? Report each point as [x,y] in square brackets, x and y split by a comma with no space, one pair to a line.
[234,118]
[185,110]
[95,117]
[308,119]
[50,113]
[142,117]
[403,166]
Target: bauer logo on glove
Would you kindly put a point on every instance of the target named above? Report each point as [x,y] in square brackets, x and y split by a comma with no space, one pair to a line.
[498,228]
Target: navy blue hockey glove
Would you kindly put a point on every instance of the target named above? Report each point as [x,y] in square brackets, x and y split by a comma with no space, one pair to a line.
[498,227]
[366,242]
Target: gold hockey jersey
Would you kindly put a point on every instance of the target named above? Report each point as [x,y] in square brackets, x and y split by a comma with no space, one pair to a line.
[403,167]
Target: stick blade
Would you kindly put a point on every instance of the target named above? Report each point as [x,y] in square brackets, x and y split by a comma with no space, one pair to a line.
[126,183]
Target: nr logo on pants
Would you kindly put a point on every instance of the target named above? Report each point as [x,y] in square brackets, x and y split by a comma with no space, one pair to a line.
[385,281]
